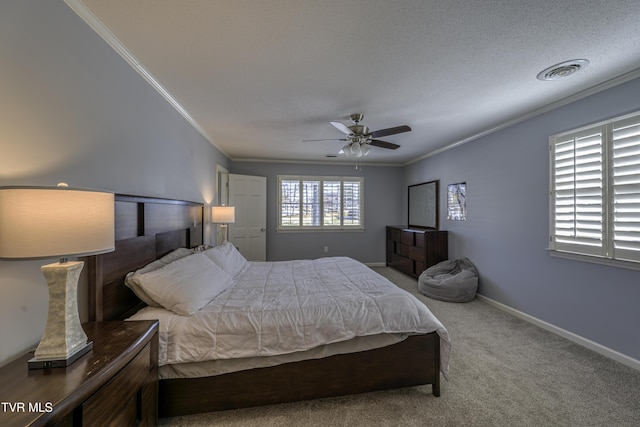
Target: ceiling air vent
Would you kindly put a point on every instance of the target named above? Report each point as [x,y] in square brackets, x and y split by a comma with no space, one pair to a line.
[564,69]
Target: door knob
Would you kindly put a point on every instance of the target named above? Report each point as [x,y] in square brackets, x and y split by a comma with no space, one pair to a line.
[262,229]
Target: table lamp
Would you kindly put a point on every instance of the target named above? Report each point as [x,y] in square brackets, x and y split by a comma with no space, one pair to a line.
[223,215]
[47,222]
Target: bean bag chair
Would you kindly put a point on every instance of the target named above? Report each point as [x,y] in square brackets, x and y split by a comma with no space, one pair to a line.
[453,280]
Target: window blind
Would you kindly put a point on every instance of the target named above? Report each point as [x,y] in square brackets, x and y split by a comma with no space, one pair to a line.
[332,195]
[595,190]
[351,203]
[578,193]
[626,189]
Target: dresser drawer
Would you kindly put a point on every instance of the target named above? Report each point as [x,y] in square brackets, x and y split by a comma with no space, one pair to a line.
[407,238]
[394,234]
[401,263]
[415,253]
[403,250]
[117,402]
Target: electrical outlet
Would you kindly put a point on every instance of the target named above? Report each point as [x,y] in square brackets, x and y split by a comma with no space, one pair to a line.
[326,249]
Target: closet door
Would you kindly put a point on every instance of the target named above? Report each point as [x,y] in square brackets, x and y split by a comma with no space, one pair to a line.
[249,232]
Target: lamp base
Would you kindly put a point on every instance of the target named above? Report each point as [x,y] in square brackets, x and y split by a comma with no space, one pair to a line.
[222,236]
[38,363]
[64,340]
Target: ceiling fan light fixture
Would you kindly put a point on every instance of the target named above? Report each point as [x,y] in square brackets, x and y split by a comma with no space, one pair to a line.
[355,150]
[360,139]
[563,69]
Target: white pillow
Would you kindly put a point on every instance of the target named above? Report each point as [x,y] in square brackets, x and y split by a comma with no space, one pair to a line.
[228,258]
[130,279]
[185,285]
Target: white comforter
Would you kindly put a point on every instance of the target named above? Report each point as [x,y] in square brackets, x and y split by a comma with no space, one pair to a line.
[277,308]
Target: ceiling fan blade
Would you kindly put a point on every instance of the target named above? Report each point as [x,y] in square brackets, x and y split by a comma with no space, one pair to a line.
[341,127]
[383,144]
[390,131]
[329,139]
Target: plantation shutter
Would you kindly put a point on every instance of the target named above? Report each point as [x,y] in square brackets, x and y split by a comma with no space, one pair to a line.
[332,206]
[626,189]
[290,203]
[352,202]
[311,203]
[578,191]
[320,203]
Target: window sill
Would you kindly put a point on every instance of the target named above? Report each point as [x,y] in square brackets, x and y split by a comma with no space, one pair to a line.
[594,259]
[319,230]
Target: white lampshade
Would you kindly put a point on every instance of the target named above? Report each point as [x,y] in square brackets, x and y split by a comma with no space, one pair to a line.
[45,222]
[223,214]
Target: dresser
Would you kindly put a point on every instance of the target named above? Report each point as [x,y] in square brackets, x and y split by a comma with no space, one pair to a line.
[114,384]
[413,250]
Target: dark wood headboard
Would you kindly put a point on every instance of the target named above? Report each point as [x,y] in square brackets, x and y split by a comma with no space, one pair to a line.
[145,230]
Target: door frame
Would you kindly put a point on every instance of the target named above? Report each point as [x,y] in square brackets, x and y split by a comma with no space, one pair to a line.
[222,195]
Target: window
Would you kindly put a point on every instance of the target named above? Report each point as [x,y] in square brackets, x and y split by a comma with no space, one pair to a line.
[595,190]
[319,203]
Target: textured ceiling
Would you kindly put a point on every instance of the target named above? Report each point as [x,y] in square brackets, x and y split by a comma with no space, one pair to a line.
[259,76]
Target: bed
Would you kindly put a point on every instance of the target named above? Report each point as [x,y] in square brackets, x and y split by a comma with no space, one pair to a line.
[147,229]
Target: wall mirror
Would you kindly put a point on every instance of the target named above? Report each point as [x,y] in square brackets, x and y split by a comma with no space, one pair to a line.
[423,205]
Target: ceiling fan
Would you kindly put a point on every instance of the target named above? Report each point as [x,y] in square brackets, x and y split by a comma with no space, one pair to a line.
[360,140]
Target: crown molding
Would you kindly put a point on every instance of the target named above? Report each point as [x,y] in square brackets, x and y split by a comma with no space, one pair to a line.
[552,106]
[316,162]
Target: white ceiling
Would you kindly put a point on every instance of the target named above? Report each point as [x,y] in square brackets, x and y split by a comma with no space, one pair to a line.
[257,77]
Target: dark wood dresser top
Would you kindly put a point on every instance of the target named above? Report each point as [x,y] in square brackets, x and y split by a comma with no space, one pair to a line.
[44,396]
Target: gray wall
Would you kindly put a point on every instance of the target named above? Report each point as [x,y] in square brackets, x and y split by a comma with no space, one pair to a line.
[506,231]
[73,110]
[382,200]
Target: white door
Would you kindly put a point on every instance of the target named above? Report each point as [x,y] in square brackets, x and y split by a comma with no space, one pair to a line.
[249,233]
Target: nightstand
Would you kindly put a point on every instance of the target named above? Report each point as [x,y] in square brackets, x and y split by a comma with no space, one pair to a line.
[115,384]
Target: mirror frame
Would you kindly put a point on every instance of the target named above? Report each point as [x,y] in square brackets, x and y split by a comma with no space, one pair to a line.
[422,203]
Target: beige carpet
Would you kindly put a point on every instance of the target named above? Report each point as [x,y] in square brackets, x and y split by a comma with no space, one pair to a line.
[504,372]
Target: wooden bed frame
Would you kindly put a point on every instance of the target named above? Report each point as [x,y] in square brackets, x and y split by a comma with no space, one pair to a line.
[149,228]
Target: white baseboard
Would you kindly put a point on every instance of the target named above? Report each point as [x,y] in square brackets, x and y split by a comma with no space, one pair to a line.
[375,264]
[591,345]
